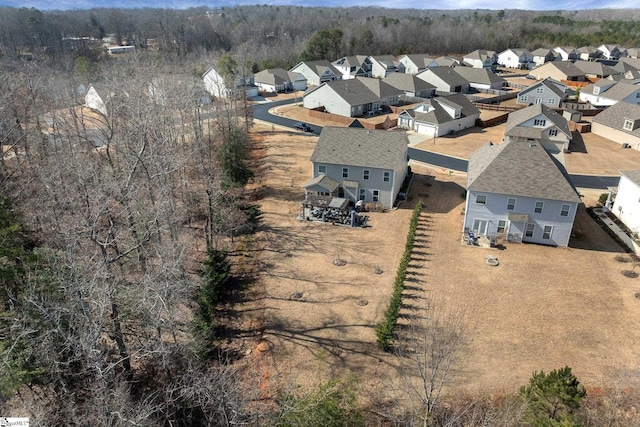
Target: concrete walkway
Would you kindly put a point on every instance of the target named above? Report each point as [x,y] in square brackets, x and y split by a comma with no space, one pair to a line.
[624,237]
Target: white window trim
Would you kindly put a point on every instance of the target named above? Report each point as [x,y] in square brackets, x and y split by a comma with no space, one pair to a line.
[345,172]
[375,196]
[514,203]
[524,98]
[562,209]
[553,132]
[535,207]
[366,174]
[539,122]
[362,194]
[504,226]
[628,124]
[544,231]
[320,171]
[386,176]
[484,202]
[526,229]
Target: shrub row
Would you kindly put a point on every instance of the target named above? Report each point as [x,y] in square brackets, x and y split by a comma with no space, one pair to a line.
[385,329]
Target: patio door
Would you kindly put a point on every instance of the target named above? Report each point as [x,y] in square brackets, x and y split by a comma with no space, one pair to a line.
[480,227]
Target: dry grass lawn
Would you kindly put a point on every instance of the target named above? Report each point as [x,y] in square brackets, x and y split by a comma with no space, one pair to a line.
[541,308]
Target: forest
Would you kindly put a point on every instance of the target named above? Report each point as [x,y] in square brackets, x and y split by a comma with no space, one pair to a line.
[123,236]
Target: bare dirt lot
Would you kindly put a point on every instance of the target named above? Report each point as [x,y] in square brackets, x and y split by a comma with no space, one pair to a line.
[541,308]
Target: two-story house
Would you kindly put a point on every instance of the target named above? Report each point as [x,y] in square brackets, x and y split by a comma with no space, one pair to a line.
[538,123]
[516,191]
[566,53]
[317,72]
[229,86]
[383,65]
[542,55]
[440,116]
[619,123]
[481,59]
[359,164]
[445,79]
[351,66]
[605,93]
[416,63]
[520,59]
[280,80]
[548,92]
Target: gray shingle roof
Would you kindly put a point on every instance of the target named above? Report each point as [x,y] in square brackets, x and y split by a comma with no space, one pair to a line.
[565,67]
[361,147]
[275,76]
[420,60]
[479,75]
[353,91]
[379,87]
[594,68]
[322,181]
[518,117]
[519,169]
[480,54]
[408,82]
[634,176]
[447,74]
[439,115]
[616,90]
[549,83]
[615,116]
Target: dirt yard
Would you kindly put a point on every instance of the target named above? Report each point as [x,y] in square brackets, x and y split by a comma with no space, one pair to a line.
[541,308]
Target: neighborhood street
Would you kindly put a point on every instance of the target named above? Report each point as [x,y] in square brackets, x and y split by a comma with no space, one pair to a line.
[261,112]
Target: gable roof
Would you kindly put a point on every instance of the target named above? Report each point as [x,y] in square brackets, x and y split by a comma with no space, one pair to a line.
[615,116]
[594,68]
[633,176]
[437,114]
[565,67]
[542,52]
[352,91]
[479,75]
[516,118]
[319,67]
[519,169]
[276,76]
[549,83]
[446,74]
[612,90]
[322,181]
[408,82]
[361,147]
[379,87]
[350,61]
[480,54]
[420,60]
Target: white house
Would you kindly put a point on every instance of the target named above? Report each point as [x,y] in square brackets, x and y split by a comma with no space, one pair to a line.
[351,66]
[317,72]
[481,78]
[605,93]
[440,116]
[520,59]
[415,63]
[481,59]
[566,53]
[280,80]
[627,202]
[220,87]
[516,191]
[359,164]
[445,79]
[383,65]
[93,100]
[542,55]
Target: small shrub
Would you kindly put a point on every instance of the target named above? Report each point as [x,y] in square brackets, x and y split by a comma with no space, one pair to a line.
[603,198]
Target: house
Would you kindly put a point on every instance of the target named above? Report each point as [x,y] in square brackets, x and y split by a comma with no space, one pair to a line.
[520,59]
[359,164]
[280,80]
[542,55]
[548,92]
[610,51]
[93,100]
[440,116]
[481,59]
[445,79]
[412,86]
[317,72]
[352,66]
[517,192]
[481,78]
[558,70]
[588,53]
[383,65]
[627,202]
[540,124]
[229,87]
[633,52]
[619,123]
[446,61]
[416,63]
[595,69]
[566,53]
[351,98]
[605,93]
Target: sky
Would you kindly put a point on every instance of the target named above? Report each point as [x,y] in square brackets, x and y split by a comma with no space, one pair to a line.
[399,4]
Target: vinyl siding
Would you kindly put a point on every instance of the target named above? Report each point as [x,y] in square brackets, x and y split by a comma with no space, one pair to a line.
[627,204]
[495,209]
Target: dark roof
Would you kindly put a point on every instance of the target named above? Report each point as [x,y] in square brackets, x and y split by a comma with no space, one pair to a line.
[361,90]
[519,169]
[615,116]
[361,147]
[355,124]
[516,118]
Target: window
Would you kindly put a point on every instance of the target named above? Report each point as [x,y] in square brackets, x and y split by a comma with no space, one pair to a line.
[540,90]
[365,174]
[565,210]
[551,101]
[481,199]
[345,172]
[546,232]
[363,194]
[322,169]
[387,176]
[553,132]
[628,124]
[529,230]
[376,196]
[538,207]
[502,225]
[596,90]
[524,98]
[539,122]
[511,203]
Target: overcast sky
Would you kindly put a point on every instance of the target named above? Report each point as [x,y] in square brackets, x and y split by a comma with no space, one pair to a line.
[400,4]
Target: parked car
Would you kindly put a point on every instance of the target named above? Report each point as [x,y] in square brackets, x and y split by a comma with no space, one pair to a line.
[530,77]
[303,127]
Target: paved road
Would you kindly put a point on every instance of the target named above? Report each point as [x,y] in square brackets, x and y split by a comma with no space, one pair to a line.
[261,112]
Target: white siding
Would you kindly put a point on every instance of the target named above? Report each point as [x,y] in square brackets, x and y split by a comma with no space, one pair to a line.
[627,204]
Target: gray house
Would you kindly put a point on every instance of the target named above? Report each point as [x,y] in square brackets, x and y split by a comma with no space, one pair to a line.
[411,85]
[619,123]
[517,192]
[440,116]
[317,72]
[481,78]
[445,79]
[383,65]
[279,80]
[359,164]
[548,92]
[540,124]
[351,98]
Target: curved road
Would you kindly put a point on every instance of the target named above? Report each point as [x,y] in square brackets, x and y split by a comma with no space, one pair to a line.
[261,112]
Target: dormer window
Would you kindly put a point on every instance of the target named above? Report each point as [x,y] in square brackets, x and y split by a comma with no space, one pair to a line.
[596,90]
[628,124]
[539,122]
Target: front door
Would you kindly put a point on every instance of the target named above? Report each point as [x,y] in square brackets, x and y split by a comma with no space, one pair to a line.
[480,227]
